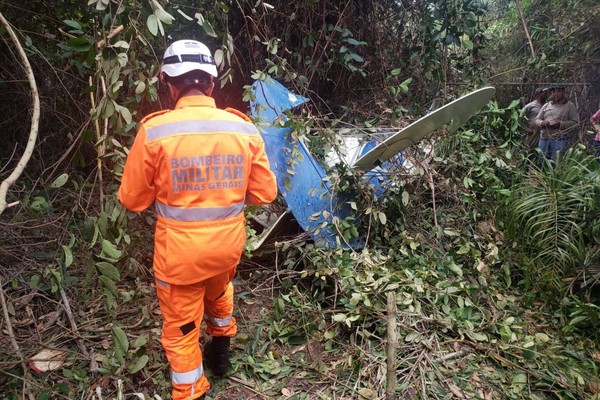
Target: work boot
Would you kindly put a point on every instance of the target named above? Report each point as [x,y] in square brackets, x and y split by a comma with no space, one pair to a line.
[216,355]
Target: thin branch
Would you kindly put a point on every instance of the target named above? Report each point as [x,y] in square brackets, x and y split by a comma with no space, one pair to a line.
[112,34]
[100,148]
[518,2]
[390,387]
[88,355]
[15,345]
[35,118]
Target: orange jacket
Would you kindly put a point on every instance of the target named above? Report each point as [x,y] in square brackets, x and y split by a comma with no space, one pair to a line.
[199,165]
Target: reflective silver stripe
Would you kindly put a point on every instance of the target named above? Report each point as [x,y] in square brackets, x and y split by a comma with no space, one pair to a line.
[200,126]
[162,283]
[200,213]
[187,377]
[218,321]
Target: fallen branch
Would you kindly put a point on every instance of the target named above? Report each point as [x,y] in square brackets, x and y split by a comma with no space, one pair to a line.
[457,354]
[88,355]
[35,118]
[15,345]
[390,386]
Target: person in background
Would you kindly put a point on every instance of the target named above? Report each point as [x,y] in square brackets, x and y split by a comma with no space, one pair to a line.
[528,114]
[198,165]
[595,120]
[557,120]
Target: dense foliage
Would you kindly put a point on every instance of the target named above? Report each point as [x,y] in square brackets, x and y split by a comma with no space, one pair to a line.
[492,254]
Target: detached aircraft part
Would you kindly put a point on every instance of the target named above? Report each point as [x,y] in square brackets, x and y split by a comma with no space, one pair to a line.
[301,179]
[457,112]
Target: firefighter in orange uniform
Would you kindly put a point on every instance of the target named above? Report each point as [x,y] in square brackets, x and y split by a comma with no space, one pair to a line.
[199,165]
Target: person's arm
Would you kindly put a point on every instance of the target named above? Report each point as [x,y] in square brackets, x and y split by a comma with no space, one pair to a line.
[524,121]
[571,119]
[539,120]
[137,191]
[596,117]
[262,186]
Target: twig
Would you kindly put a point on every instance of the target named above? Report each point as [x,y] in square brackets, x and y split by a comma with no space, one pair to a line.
[456,354]
[248,386]
[67,307]
[518,2]
[432,186]
[390,386]
[100,147]
[35,118]
[113,33]
[15,344]
[66,153]
[329,39]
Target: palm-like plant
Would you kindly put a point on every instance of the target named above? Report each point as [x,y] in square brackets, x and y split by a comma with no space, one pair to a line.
[553,214]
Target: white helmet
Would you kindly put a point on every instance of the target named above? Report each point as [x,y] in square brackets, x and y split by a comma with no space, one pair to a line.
[184,56]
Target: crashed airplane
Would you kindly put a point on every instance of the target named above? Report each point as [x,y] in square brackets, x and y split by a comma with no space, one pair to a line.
[302,180]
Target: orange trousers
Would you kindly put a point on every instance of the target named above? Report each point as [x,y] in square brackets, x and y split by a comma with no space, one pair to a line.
[183,308]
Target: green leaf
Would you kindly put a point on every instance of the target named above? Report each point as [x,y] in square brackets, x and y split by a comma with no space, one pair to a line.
[101,5]
[109,284]
[60,181]
[339,317]
[79,45]
[480,337]
[140,87]
[405,198]
[451,232]
[353,57]
[578,319]
[120,342]
[160,28]
[39,204]
[123,59]
[108,107]
[413,337]
[209,29]
[518,382]
[110,251]
[124,112]
[541,337]
[68,256]
[34,281]
[218,57]
[152,24]
[452,266]
[463,250]
[116,86]
[164,16]
[184,15]
[72,24]
[122,44]
[108,270]
[404,85]
[139,364]
[141,341]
